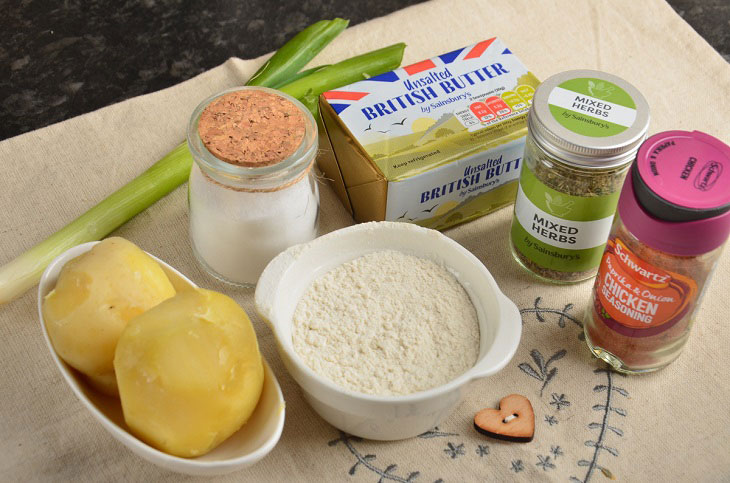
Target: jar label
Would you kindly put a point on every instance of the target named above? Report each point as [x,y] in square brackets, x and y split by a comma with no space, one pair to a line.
[592,107]
[636,298]
[559,231]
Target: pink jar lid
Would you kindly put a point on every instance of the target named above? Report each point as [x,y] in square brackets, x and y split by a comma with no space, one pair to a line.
[677,197]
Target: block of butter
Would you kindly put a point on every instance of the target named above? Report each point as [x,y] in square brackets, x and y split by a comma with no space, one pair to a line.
[436,143]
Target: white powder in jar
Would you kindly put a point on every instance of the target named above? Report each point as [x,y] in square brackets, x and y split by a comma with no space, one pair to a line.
[387,323]
[251,192]
[237,233]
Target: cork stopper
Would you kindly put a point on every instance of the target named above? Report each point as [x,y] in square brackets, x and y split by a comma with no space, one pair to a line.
[251,128]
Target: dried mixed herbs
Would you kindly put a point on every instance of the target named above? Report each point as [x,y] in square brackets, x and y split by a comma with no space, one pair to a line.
[558,176]
[583,132]
[572,181]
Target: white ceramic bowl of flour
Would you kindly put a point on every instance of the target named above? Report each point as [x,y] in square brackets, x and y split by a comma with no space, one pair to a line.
[288,276]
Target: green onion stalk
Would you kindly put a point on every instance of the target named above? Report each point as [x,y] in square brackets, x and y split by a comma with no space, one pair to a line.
[307,89]
[281,71]
[296,53]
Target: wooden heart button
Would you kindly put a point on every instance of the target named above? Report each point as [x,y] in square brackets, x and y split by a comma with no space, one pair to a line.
[513,421]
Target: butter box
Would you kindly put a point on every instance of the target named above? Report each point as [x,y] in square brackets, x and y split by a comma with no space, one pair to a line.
[436,143]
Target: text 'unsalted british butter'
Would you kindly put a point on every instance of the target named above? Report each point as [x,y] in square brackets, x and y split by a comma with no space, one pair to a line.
[436,143]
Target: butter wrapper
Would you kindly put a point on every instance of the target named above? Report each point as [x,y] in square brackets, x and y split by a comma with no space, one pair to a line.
[436,143]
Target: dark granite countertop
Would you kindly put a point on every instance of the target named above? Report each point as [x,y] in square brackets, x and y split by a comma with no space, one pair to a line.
[62,59]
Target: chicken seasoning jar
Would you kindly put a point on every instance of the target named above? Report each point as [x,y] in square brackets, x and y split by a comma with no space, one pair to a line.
[672,221]
[584,129]
[252,191]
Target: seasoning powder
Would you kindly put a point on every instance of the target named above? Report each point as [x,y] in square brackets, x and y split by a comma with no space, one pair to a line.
[387,323]
[673,218]
[252,193]
[584,129]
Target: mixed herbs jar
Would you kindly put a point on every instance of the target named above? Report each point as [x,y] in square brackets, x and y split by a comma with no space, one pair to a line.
[584,129]
[673,218]
[252,191]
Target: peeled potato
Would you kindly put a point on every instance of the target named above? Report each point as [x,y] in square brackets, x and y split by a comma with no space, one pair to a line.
[95,296]
[189,372]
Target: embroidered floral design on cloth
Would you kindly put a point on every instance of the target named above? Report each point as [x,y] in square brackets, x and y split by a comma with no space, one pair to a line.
[367,461]
[559,401]
[543,372]
[454,451]
[607,409]
[544,364]
[435,433]
[545,463]
[542,314]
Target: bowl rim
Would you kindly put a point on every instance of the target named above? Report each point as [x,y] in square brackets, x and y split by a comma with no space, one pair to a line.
[136,445]
[507,310]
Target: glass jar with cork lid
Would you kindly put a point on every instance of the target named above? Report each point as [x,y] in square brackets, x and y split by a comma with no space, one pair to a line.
[584,128]
[252,191]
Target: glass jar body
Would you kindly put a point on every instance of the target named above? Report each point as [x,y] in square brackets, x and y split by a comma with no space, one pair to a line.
[644,302]
[235,233]
[563,215]
[243,215]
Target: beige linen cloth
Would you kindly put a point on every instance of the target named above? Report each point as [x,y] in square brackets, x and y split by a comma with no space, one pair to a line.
[590,424]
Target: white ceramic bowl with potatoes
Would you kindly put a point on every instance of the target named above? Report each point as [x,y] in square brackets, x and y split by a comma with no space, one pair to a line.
[245,447]
[286,278]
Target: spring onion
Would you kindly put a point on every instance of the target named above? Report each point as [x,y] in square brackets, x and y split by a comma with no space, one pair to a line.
[23,272]
[308,88]
[296,53]
[301,74]
[347,71]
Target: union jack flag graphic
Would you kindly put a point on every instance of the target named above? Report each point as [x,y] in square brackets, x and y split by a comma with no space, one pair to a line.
[342,98]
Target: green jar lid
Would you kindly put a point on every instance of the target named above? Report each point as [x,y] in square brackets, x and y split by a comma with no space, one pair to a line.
[589,119]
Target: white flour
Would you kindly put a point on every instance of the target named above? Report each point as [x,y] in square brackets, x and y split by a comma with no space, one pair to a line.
[387,323]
